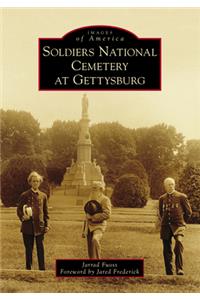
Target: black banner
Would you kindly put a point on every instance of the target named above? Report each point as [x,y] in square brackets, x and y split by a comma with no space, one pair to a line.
[99,268]
[100,58]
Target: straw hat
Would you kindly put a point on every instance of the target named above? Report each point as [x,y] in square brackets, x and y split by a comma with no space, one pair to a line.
[27,211]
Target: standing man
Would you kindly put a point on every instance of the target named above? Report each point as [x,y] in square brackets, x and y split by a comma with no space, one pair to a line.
[174,210]
[96,223]
[33,213]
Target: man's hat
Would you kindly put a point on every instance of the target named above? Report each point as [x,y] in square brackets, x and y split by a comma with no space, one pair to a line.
[92,207]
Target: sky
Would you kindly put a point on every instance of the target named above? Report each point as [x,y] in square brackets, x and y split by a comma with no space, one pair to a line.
[177,104]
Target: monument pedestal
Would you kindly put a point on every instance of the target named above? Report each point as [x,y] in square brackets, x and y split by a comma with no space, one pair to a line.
[79,177]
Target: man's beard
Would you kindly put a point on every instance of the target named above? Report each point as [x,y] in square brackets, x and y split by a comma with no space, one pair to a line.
[95,195]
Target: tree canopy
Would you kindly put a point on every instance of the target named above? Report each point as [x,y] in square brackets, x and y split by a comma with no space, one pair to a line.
[61,141]
[159,148]
[19,133]
[151,153]
[113,145]
[15,174]
[193,151]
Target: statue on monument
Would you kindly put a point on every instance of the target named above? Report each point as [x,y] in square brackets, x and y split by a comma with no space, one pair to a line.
[84,105]
[83,171]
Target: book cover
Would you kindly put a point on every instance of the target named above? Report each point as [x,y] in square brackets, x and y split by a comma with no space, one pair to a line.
[99,107]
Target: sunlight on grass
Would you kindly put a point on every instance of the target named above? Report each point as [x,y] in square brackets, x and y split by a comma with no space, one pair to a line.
[131,233]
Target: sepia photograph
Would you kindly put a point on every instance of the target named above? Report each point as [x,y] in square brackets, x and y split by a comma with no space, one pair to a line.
[100,181]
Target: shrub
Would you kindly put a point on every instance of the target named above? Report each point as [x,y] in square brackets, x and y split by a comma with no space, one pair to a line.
[129,192]
[135,167]
[14,177]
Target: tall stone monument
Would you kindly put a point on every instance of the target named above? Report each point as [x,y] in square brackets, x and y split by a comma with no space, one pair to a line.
[80,175]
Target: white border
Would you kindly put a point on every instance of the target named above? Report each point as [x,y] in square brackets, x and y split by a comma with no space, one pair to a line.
[96,4]
[101,3]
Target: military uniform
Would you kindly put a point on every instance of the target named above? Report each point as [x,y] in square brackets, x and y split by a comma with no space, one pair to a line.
[174,211]
[34,228]
[97,226]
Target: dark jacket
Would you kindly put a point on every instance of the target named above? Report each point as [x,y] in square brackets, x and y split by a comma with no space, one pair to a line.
[39,204]
[174,209]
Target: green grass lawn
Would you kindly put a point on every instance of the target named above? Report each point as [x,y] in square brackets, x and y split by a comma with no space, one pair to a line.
[130,233]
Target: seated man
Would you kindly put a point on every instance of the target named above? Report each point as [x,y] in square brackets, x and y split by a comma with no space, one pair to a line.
[98,210]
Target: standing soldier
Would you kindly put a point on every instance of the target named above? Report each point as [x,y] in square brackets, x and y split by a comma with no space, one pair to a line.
[96,222]
[33,213]
[174,210]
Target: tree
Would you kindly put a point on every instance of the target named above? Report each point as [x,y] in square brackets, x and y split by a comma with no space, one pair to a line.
[193,151]
[189,183]
[157,178]
[129,191]
[113,144]
[55,173]
[61,142]
[159,147]
[19,133]
[14,177]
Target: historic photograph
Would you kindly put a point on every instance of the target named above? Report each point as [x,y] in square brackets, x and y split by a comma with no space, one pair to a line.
[100,174]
